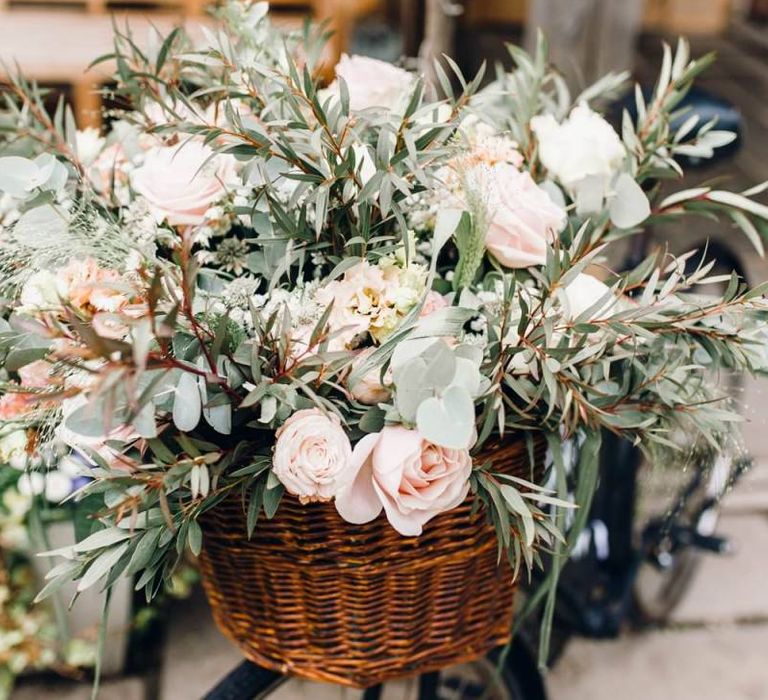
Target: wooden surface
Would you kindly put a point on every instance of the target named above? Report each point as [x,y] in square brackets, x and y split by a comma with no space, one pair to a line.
[53,44]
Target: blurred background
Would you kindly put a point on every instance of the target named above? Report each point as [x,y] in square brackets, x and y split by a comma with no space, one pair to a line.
[714,646]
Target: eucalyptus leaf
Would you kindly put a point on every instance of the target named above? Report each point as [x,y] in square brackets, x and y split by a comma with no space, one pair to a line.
[629,205]
[187,403]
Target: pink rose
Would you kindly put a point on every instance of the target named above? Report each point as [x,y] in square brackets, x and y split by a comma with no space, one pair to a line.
[36,375]
[110,165]
[410,478]
[312,455]
[432,302]
[109,446]
[373,83]
[369,389]
[180,183]
[522,218]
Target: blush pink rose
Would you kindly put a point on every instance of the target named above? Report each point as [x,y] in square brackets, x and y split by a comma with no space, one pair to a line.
[110,446]
[36,375]
[433,302]
[523,220]
[411,479]
[373,83]
[369,389]
[312,455]
[180,183]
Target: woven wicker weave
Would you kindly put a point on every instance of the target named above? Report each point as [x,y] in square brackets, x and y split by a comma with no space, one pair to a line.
[313,596]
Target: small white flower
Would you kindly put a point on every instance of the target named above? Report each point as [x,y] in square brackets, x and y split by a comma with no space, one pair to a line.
[57,486]
[31,484]
[89,144]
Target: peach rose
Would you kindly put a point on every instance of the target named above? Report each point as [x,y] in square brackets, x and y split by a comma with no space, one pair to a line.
[89,287]
[180,183]
[15,405]
[522,219]
[312,455]
[18,404]
[410,478]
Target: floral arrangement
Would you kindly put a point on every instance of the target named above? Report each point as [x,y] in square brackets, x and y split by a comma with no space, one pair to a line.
[255,284]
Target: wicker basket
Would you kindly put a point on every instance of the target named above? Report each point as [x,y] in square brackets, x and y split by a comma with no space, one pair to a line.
[313,596]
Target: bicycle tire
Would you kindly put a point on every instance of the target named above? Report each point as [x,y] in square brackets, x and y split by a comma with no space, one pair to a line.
[673,586]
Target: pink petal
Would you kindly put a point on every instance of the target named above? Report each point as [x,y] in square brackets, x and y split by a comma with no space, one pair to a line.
[410,524]
[397,447]
[358,502]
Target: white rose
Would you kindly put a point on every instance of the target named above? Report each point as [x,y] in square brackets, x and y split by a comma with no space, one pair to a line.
[373,83]
[180,183]
[312,455]
[583,153]
[583,292]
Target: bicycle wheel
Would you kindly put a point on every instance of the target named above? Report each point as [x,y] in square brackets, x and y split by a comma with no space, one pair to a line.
[698,481]
[669,562]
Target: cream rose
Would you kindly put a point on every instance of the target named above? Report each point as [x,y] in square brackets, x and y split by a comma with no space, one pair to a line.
[180,183]
[522,219]
[371,298]
[39,293]
[373,83]
[312,455]
[583,292]
[13,446]
[411,479]
[583,153]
